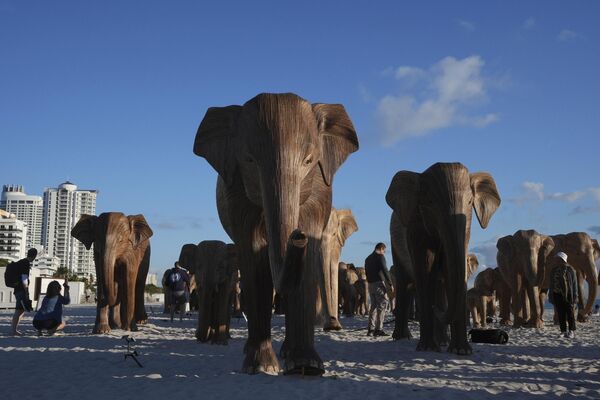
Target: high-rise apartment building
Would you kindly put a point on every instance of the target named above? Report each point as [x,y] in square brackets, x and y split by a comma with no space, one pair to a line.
[13,233]
[28,209]
[63,207]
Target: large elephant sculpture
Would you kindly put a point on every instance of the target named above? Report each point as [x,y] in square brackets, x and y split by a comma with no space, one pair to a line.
[582,253]
[122,259]
[276,157]
[361,286]
[340,226]
[522,259]
[215,275]
[490,287]
[432,214]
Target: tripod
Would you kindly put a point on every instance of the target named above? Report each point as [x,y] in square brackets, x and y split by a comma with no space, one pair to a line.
[131,352]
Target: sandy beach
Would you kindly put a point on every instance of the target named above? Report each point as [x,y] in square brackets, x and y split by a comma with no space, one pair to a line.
[79,365]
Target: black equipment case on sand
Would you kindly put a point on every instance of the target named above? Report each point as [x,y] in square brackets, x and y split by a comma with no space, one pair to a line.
[493,336]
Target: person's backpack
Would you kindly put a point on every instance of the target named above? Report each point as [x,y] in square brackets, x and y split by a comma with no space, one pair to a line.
[493,336]
[174,278]
[559,280]
[11,275]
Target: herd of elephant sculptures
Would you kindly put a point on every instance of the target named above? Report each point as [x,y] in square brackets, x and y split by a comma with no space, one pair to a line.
[276,157]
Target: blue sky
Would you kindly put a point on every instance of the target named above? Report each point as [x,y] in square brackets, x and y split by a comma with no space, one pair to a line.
[109,95]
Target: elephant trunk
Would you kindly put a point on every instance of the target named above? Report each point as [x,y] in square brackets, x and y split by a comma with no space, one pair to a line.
[108,275]
[281,196]
[591,276]
[455,256]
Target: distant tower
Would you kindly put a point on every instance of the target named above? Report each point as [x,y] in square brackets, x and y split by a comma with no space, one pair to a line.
[13,233]
[28,209]
[63,207]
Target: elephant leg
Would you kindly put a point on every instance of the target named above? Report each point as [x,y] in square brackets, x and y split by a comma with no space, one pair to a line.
[204,315]
[141,317]
[525,306]
[101,325]
[257,285]
[504,298]
[581,317]
[424,261]
[517,305]
[402,310]
[302,253]
[480,310]
[222,316]
[441,304]
[115,316]
[167,300]
[534,298]
[130,300]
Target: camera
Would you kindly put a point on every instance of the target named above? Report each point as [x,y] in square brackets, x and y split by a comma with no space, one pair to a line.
[128,339]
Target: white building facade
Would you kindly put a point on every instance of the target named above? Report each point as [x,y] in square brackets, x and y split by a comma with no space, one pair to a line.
[47,265]
[63,206]
[13,233]
[28,209]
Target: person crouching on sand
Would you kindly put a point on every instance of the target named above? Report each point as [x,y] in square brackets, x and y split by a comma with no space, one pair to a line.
[49,316]
[563,294]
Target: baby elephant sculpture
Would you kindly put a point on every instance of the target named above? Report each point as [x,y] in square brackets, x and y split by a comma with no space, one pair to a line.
[122,258]
[362,291]
[216,276]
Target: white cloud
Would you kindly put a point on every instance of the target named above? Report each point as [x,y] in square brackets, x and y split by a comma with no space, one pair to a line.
[567,35]
[452,85]
[529,23]
[408,72]
[466,25]
[534,191]
[569,197]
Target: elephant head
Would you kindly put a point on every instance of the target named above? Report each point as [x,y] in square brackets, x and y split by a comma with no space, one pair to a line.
[278,144]
[116,238]
[340,226]
[440,201]
[188,257]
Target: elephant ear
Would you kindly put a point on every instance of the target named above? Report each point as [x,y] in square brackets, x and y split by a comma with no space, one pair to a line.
[504,245]
[84,230]
[338,137]
[472,264]
[402,195]
[214,140]
[596,248]
[347,225]
[140,229]
[486,198]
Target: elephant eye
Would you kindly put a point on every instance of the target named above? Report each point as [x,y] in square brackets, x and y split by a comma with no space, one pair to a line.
[308,160]
[249,159]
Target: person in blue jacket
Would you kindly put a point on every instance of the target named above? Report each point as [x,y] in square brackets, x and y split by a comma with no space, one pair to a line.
[49,315]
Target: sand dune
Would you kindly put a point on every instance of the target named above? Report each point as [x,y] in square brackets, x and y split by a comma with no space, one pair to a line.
[78,365]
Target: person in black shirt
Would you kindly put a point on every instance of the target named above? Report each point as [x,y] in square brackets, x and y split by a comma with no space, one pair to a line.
[179,283]
[378,278]
[21,291]
[563,294]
